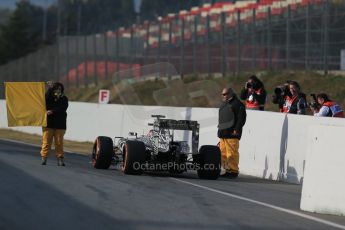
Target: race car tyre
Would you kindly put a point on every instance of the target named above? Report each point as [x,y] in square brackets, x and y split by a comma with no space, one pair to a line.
[209,160]
[133,157]
[102,153]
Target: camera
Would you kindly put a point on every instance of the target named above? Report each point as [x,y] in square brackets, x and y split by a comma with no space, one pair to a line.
[249,85]
[282,90]
[314,104]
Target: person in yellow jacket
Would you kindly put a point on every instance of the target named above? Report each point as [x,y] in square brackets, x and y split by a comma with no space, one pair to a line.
[232,117]
[56,105]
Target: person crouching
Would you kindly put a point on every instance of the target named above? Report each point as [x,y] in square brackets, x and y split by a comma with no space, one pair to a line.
[328,107]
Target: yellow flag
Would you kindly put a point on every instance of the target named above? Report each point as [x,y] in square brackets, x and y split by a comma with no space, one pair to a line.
[26,104]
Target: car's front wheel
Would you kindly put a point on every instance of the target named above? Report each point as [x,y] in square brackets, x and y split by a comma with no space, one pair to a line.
[133,157]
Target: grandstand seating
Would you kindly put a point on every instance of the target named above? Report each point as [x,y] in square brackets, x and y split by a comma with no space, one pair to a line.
[100,70]
[278,7]
[157,32]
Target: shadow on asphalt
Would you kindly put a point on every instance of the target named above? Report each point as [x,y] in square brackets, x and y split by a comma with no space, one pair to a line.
[40,205]
[34,203]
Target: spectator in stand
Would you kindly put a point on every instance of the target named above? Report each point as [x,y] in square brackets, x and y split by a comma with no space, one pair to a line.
[254,93]
[328,107]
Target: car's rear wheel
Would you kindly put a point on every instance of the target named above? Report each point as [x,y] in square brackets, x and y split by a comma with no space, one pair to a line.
[102,152]
[133,157]
[209,160]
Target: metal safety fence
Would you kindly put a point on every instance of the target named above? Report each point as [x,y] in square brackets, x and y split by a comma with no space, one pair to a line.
[223,39]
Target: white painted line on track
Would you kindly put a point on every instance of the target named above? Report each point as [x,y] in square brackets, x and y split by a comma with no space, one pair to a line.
[291,212]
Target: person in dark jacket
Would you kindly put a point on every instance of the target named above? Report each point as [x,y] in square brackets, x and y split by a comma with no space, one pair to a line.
[295,103]
[254,93]
[56,105]
[232,117]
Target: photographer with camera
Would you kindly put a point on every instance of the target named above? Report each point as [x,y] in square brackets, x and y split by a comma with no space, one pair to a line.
[280,94]
[254,93]
[325,107]
[290,98]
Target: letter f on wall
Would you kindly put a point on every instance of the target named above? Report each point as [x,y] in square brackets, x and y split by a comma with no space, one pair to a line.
[104,96]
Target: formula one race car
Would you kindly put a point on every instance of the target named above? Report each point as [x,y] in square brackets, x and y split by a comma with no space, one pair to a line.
[158,151]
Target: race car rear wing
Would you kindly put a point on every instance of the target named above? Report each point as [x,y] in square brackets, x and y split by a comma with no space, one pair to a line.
[178,125]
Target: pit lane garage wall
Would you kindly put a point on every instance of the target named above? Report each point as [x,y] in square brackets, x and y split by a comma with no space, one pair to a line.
[273,145]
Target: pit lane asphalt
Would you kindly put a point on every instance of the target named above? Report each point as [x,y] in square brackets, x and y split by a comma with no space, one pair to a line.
[77,196]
